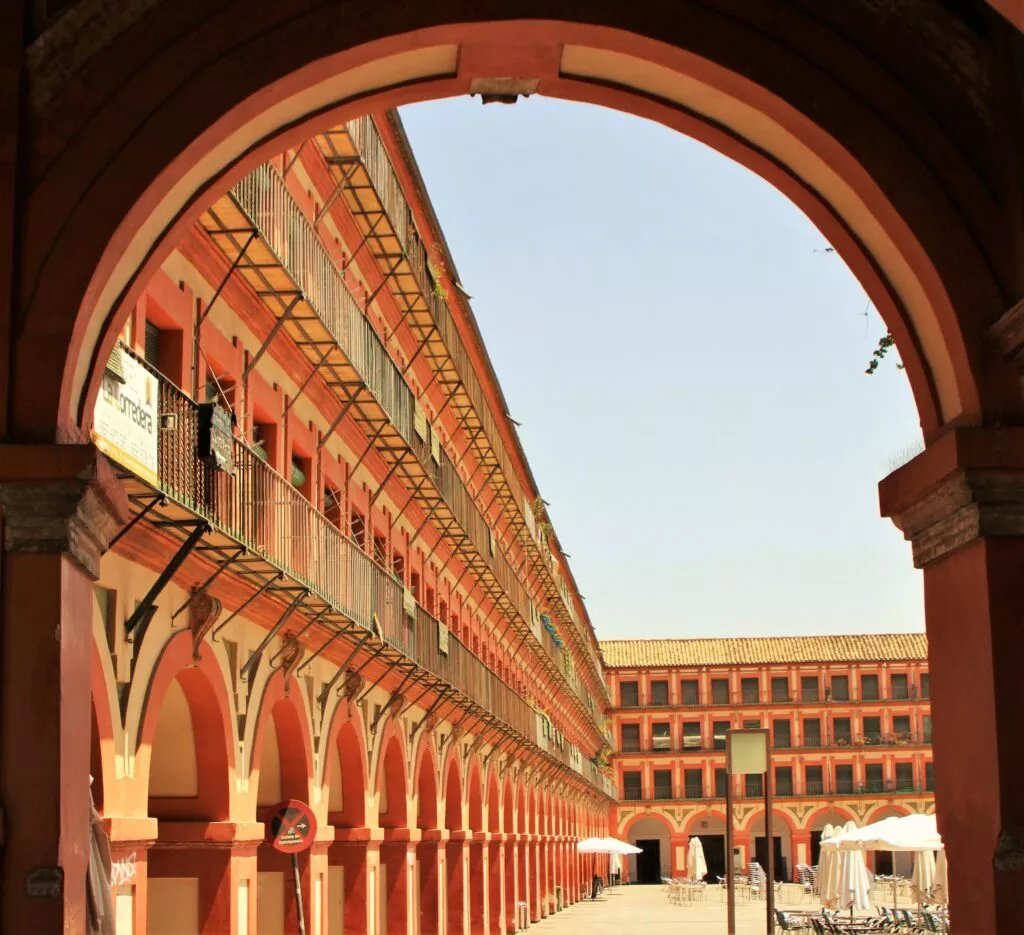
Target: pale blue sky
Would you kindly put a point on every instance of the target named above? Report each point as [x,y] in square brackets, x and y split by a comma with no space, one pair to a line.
[687,369]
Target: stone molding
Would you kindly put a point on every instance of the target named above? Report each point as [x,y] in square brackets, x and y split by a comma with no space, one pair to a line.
[68,501]
[967,505]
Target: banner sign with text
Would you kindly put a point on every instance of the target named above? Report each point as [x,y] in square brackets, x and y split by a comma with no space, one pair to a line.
[125,421]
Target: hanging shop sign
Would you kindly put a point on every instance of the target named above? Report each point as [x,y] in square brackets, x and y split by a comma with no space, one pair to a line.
[125,420]
[216,444]
[292,828]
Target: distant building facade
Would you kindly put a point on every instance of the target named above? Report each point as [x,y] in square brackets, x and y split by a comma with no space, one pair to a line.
[850,731]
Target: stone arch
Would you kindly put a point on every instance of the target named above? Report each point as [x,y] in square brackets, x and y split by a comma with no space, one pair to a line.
[475,796]
[199,786]
[345,770]
[493,801]
[654,814]
[508,816]
[827,815]
[692,826]
[102,735]
[281,762]
[756,820]
[522,812]
[886,810]
[425,786]
[392,810]
[453,817]
[652,825]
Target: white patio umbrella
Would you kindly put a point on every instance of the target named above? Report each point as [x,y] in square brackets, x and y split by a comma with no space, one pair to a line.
[696,865]
[592,846]
[853,889]
[924,873]
[828,865]
[940,890]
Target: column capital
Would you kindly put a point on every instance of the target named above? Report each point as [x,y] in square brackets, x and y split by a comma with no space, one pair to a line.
[967,485]
[60,498]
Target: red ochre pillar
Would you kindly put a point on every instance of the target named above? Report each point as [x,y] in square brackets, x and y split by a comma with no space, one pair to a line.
[961,504]
[429,858]
[477,887]
[456,857]
[61,506]
[495,878]
[801,851]
[523,893]
[533,869]
[395,877]
[354,859]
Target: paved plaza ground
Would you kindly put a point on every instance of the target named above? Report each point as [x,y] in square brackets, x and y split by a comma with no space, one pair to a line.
[645,910]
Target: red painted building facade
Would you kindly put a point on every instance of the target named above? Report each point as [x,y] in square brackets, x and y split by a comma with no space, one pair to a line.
[850,734]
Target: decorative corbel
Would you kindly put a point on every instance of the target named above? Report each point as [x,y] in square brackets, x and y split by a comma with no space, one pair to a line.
[203,613]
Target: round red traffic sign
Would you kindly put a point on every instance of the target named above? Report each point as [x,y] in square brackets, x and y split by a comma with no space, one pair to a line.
[293,827]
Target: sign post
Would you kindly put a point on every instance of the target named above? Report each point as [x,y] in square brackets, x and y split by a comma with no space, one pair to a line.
[746,751]
[292,831]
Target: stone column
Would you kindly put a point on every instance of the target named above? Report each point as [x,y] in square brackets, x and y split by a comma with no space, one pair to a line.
[61,506]
[961,504]
[455,871]
[495,875]
[431,873]
[477,885]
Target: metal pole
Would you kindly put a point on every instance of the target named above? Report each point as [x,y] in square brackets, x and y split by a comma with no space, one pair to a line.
[730,911]
[770,893]
[298,894]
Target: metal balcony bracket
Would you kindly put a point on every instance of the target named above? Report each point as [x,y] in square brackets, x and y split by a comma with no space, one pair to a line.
[339,188]
[374,655]
[274,331]
[385,279]
[370,234]
[157,500]
[396,695]
[426,519]
[254,657]
[342,669]
[419,348]
[294,159]
[262,588]
[334,425]
[295,637]
[143,614]
[446,692]
[334,637]
[431,683]
[394,467]
[221,568]
[380,678]
[368,449]
[235,264]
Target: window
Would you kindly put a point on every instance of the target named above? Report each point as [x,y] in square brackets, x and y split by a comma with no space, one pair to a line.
[869,687]
[813,781]
[901,728]
[873,781]
[905,777]
[629,694]
[841,733]
[844,779]
[691,735]
[809,688]
[630,738]
[899,687]
[749,691]
[398,565]
[719,691]
[872,730]
[693,783]
[926,689]
[783,780]
[840,688]
[663,784]
[380,550]
[721,781]
[358,522]
[152,348]
[334,507]
[781,730]
[659,692]
[929,777]
[661,737]
[690,691]
[719,728]
[926,727]
[812,732]
[780,689]
[631,788]
[753,785]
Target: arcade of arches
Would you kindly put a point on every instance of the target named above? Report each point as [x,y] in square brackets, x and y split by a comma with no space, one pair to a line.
[897,128]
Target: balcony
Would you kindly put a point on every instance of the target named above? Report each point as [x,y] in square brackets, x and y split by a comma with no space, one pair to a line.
[820,791]
[255,507]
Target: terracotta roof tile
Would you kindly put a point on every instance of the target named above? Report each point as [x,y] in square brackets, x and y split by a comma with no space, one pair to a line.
[769,649]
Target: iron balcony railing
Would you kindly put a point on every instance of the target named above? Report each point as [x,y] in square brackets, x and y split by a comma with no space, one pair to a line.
[694,794]
[261,510]
[737,699]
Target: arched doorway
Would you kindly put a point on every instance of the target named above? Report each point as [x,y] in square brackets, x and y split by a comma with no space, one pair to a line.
[653,835]
[428,851]
[456,855]
[837,112]
[393,818]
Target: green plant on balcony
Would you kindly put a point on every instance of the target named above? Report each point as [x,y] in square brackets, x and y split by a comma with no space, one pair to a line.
[436,267]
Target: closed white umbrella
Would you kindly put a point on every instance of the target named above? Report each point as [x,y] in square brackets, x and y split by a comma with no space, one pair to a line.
[854,890]
[696,865]
[924,873]
[828,864]
[941,888]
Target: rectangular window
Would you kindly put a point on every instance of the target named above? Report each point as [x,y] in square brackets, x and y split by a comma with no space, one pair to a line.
[720,727]
[631,787]
[152,348]
[721,781]
[691,735]
[780,689]
[926,689]
[783,780]
[663,784]
[929,777]
[905,777]
[358,526]
[812,732]
[869,687]
[899,687]
[842,735]
[872,730]
[630,738]
[380,550]
[659,693]
[781,730]
[813,782]
[719,691]
[693,782]
[873,781]
[926,727]
[690,691]
[661,737]
[749,691]
[840,688]
[901,728]
[809,688]
[753,785]
[629,694]
[844,779]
